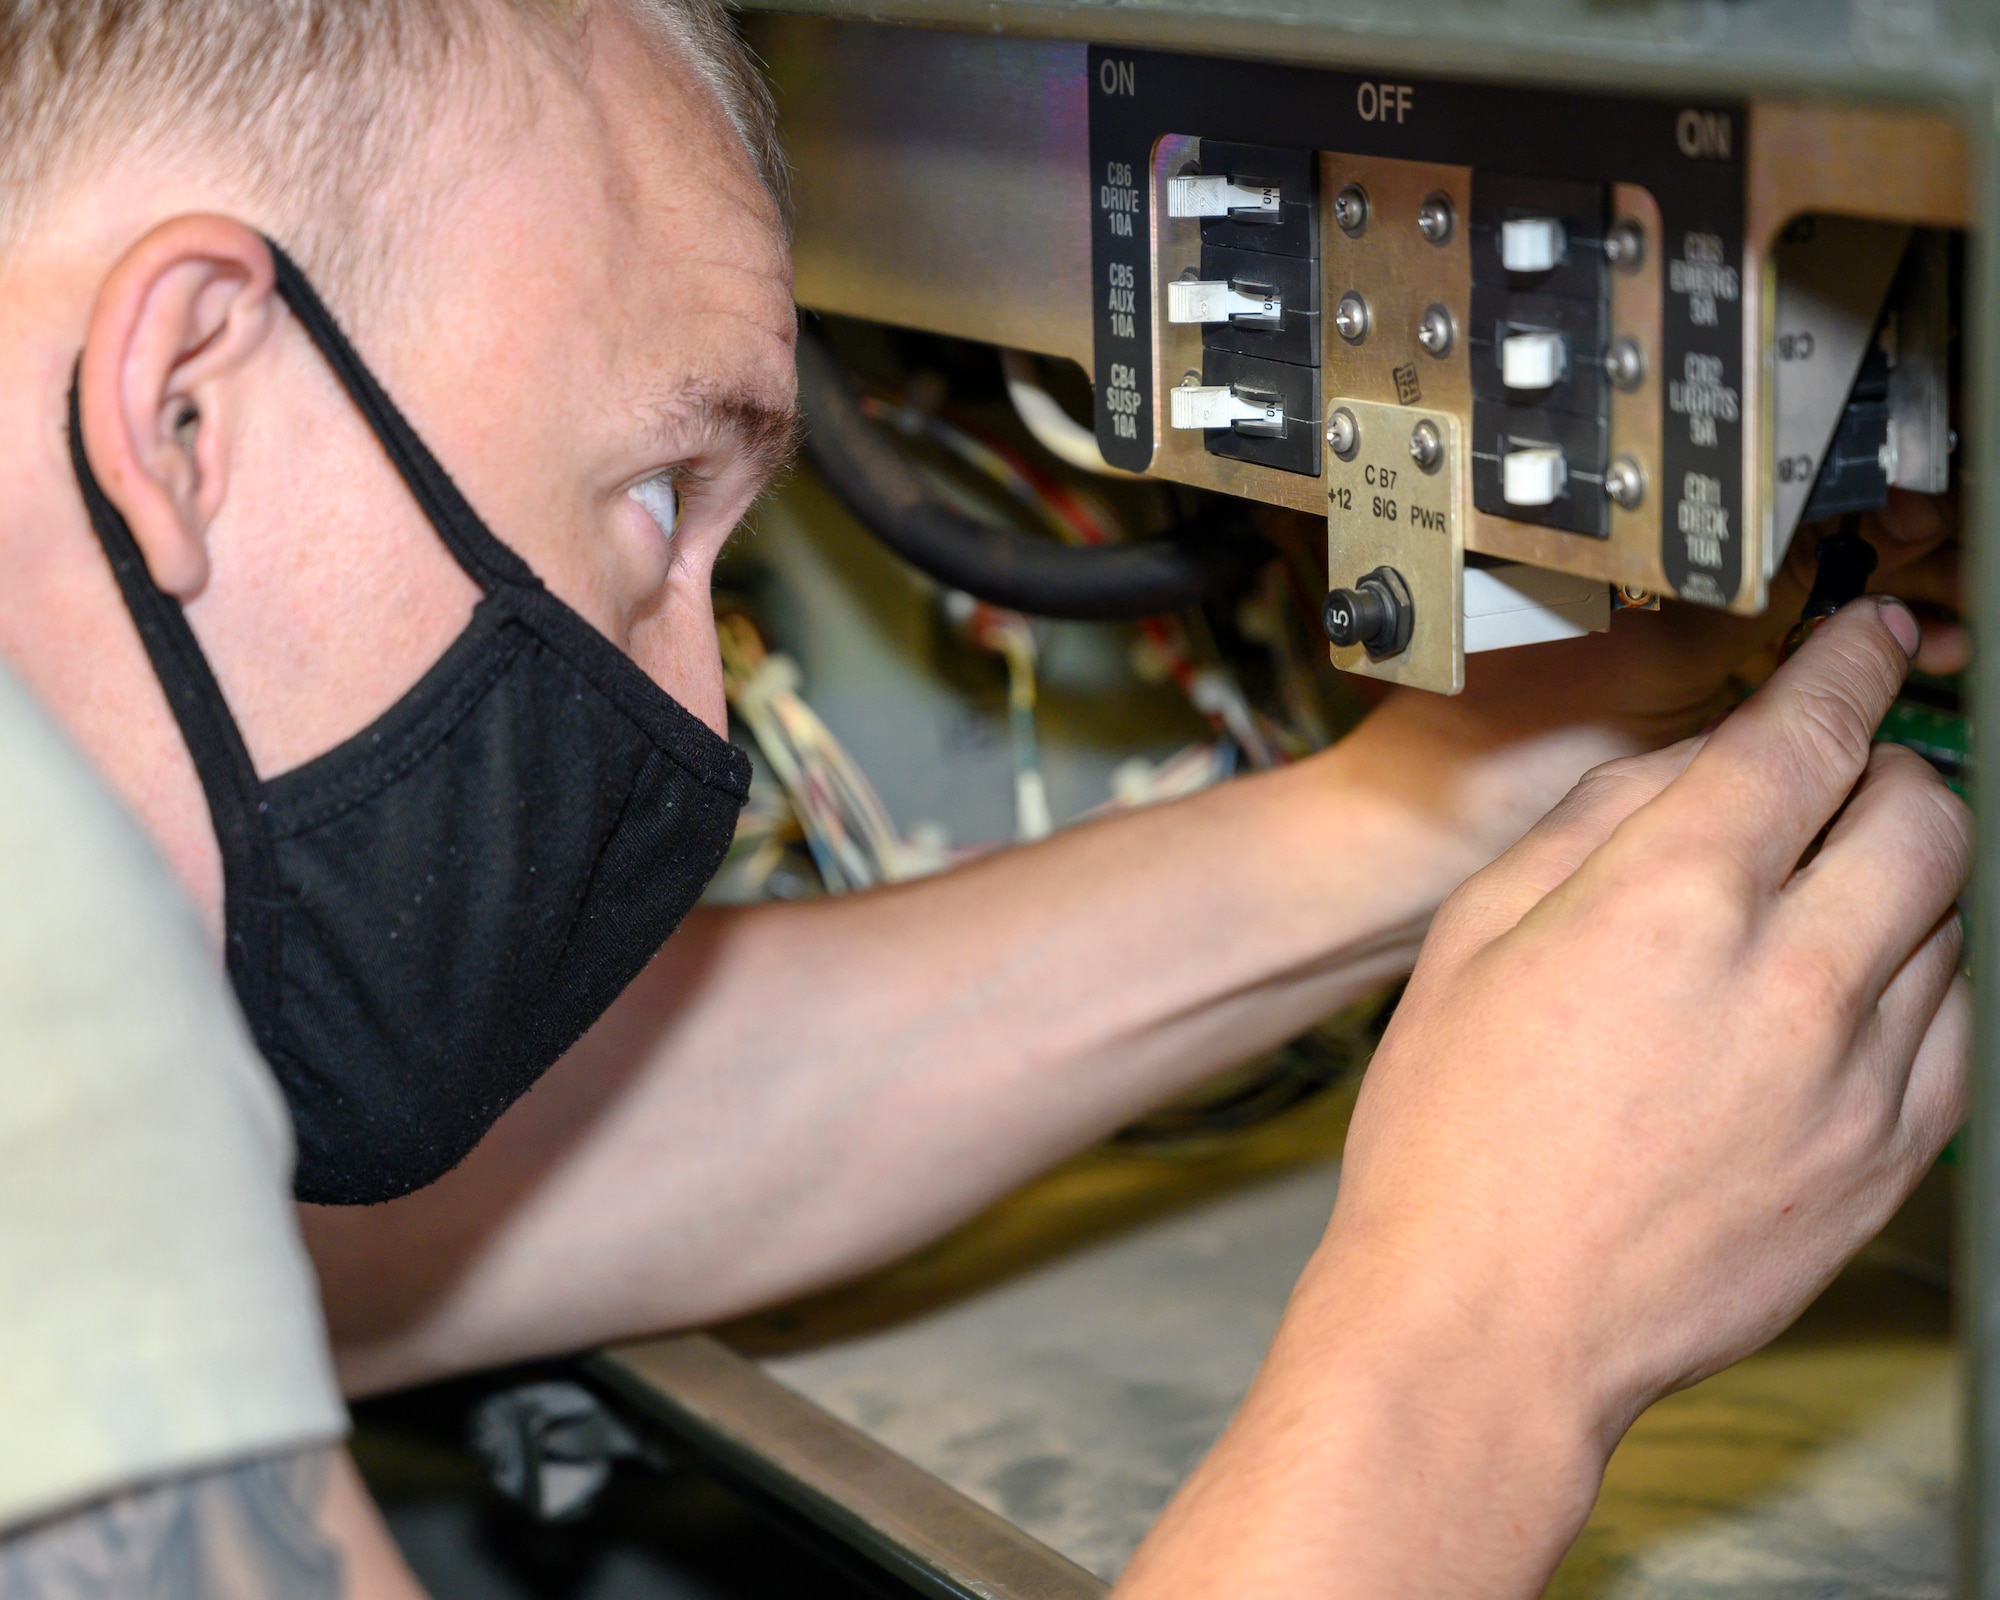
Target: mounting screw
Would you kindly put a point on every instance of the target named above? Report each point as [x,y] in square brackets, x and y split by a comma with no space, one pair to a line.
[1351,317]
[1350,210]
[1434,331]
[1625,245]
[1435,217]
[1625,363]
[1343,434]
[1626,482]
[1426,448]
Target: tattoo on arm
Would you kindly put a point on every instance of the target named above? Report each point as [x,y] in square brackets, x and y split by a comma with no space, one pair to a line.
[243,1532]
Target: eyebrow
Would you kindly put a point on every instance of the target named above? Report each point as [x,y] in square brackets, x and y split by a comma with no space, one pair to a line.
[767,435]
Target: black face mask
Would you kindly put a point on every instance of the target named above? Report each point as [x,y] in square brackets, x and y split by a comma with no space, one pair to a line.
[421,921]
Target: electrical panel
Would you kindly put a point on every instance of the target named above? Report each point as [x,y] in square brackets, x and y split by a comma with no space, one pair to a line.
[1532,334]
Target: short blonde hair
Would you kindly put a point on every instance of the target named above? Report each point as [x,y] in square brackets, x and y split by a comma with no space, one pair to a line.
[311,104]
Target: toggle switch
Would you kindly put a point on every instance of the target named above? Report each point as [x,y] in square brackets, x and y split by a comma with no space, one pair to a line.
[1246,304]
[1531,244]
[1534,359]
[1219,405]
[1224,197]
[1533,475]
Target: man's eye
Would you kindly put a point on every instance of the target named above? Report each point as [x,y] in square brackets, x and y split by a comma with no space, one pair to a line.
[661,501]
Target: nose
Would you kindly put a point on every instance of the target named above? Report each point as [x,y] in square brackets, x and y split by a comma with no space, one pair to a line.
[677,649]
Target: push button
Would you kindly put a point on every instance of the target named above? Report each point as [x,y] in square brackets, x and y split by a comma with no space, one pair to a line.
[1536,359]
[1533,475]
[1375,614]
[1531,244]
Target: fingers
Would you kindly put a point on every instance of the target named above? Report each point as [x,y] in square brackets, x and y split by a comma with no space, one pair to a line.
[1933,579]
[1771,777]
[1916,1050]
[1936,1091]
[1496,899]
[1909,518]
[1947,649]
[1891,866]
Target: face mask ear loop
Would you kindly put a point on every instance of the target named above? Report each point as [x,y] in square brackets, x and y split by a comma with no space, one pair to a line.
[487,561]
[221,761]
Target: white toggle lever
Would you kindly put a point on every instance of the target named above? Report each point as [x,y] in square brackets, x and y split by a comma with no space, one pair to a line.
[1189,301]
[1223,197]
[1221,406]
[1533,475]
[1531,244]
[1534,359]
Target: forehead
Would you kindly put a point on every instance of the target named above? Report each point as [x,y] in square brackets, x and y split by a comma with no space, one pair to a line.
[619,232]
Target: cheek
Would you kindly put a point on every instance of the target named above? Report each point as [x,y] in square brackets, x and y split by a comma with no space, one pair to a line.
[675,646]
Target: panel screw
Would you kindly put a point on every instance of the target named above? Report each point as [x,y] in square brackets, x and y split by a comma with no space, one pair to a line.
[1625,363]
[1343,434]
[1426,448]
[1434,331]
[1350,210]
[1626,482]
[1625,245]
[1351,317]
[1435,217]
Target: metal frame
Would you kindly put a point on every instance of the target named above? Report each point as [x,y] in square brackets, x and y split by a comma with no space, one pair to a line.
[1940,57]
[726,1410]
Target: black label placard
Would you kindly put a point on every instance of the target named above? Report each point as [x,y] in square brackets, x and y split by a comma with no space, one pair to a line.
[1689,155]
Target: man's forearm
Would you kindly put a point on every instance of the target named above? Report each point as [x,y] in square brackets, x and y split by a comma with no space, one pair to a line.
[1397,1442]
[794,1094]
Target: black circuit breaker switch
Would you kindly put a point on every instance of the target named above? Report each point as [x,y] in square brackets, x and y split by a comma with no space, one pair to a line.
[1256,297]
[1253,303]
[1264,412]
[1538,465]
[1540,322]
[1251,197]
[1854,476]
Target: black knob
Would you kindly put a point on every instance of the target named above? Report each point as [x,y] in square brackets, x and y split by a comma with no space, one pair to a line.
[1358,616]
[1375,614]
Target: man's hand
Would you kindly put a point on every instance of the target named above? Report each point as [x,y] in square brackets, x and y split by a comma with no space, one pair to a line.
[1662,1069]
[1663,675]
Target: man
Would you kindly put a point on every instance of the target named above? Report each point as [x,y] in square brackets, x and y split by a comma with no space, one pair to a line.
[168,1416]
[545,234]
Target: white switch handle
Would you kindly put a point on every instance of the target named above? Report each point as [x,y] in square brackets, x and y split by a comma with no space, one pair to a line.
[1533,360]
[1220,406]
[1533,475]
[1531,244]
[1223,302]
[1223,197]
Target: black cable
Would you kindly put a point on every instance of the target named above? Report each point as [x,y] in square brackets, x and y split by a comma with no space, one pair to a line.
[1209,555]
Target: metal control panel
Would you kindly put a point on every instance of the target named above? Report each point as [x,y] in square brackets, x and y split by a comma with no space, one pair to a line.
[1666,328]
[1564,273]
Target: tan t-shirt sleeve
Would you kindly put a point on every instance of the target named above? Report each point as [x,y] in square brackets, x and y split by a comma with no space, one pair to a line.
[157,1312]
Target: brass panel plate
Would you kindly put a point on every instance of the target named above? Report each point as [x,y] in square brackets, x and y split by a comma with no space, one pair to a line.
[1630,556]
[1383,510]
[1399,274]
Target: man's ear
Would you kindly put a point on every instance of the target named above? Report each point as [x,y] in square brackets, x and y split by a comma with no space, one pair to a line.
[175,323]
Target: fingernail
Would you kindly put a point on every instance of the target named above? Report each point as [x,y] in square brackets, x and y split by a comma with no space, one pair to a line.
[1902,622]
